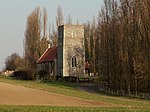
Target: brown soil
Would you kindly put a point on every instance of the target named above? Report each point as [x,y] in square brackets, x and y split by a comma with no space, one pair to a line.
[17,95]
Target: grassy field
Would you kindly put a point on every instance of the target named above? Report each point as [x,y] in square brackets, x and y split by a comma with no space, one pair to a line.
[70,89]
[67,109]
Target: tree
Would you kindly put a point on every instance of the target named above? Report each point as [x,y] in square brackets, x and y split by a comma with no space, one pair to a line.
[45,19]
[59,17]
[14,62]
[92,44]
[69,20]
[90,39]
[54,36]
[77,22]
[32,37]
[87,40]
[35,43]
[122,45]
[59,22]
[43,44]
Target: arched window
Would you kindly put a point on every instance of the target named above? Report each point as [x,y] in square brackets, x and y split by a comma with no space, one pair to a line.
[74,61]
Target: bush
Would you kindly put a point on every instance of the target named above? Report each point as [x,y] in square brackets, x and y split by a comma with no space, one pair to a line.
[43,74]
[25,74]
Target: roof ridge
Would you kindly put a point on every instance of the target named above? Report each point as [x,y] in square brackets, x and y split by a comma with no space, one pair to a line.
[49,48]
[43,54]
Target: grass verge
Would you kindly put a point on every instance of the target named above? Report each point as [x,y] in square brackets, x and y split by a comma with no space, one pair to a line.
[67,109]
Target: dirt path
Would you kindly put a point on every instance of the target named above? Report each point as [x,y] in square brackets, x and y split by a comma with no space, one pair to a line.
[17,95]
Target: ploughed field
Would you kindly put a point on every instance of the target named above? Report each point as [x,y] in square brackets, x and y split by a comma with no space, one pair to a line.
[18,95]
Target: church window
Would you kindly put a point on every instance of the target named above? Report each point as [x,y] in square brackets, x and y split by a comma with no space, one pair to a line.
[74,61]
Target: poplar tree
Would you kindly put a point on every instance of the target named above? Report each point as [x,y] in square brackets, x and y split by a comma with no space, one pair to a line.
[36,37]
[32,37]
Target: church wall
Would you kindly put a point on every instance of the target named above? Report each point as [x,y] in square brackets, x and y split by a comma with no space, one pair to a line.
[73,45]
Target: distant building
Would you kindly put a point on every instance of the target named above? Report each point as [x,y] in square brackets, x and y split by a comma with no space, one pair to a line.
[68,58]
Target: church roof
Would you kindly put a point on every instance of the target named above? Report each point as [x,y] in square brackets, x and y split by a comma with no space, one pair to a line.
[48,55]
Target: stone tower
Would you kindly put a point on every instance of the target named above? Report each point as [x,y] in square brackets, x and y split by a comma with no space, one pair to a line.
[70,51]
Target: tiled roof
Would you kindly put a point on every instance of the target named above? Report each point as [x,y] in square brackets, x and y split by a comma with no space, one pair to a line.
[48,55]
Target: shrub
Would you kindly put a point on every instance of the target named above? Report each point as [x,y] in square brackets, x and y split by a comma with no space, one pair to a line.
[42,74]
[25,74]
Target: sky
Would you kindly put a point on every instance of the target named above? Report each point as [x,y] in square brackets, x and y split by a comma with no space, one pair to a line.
[14,13]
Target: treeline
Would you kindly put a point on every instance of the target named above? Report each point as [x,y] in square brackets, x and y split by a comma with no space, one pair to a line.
[122,45]
[117,45]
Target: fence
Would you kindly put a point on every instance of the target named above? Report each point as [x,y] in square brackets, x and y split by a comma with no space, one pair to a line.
[123,93]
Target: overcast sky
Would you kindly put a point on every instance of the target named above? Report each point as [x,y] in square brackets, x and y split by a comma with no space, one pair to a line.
[13,16]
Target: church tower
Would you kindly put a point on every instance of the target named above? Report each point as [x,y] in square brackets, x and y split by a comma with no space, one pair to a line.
[70,51]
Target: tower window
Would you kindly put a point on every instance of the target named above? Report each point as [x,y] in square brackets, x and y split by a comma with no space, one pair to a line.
[74,61]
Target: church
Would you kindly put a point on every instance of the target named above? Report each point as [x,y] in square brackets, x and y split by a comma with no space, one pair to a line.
[68,58]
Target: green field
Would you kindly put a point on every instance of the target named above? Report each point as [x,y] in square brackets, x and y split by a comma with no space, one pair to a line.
[67,109]
[70,89]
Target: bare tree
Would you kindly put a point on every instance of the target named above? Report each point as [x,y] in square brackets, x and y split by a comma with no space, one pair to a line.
[32,36]
[54,36]
[69,20]
[122,45]
[45,19]
[59,21]
[92,44]
[43,44]
[35,42]
[14,62]
[77,22]
[59,17]
[87,28]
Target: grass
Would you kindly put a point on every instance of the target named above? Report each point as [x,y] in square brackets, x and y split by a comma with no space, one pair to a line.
[70,89]
[67,109]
